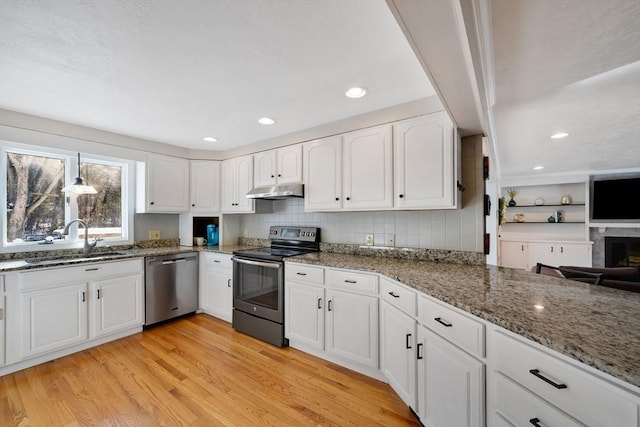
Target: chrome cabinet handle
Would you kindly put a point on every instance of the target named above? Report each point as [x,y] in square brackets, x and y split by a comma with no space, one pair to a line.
[443,322]
[216,260]
[301,274]
[535,422]
[228,283]
[92,269]
[329,306]
[393,294]
[350,281]
[408,341]
[84,297]
[319,303]
[98,293]
[418,352]
[536,373]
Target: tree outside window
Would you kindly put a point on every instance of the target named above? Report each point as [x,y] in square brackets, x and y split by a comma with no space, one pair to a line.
[36,204]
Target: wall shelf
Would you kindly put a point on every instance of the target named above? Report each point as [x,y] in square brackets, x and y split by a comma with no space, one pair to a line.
[545,206]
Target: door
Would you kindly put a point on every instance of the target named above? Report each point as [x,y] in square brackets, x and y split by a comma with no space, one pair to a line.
[352,327]
[397,352]
[323,174]
[244,180]
[450,384]
[304,314]
[578,255]
[424,163]
[167,184]
[217,292]
[116,304]
[205,186]
[258,288]
[228,187]
[544,253]
[514,254]
[53,319]
[264,168]
[368,178]
[289,164]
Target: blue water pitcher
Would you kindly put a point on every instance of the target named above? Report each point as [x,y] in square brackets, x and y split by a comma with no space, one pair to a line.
[212,235]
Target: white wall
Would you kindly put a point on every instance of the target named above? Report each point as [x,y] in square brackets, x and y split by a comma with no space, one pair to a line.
[461,229]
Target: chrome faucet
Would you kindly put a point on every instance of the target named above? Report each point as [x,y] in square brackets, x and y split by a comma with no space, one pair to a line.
[87,246]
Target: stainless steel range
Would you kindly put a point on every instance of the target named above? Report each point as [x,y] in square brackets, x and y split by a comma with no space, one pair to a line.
[258,282]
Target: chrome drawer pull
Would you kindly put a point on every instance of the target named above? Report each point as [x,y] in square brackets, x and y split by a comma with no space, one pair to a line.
[329,306]
[319,303]
[216,260]
[393,294]
[536,373]
[350,281]
[408,342]
[92,269]
[418,354]
[301,274]
[443,322]
[535,422]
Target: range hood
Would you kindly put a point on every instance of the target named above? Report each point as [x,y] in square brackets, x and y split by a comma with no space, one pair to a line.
[277,192]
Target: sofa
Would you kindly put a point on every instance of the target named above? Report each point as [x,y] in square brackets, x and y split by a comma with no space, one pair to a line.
[625,278]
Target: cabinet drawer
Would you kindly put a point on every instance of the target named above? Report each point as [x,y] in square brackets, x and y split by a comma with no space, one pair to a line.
[352,281]
[579,393]
[522,408]
[46,277]
[398,296]
[458,328]
[216,259]
[304,274]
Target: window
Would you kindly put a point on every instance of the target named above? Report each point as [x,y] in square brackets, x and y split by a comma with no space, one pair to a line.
[37,209]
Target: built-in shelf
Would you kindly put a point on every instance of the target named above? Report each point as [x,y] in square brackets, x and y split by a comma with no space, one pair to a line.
[545,206]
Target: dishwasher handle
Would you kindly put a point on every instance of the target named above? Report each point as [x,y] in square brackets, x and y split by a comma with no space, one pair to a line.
[171,261]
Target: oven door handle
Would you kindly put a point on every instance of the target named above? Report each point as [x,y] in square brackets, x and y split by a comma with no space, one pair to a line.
[257,263]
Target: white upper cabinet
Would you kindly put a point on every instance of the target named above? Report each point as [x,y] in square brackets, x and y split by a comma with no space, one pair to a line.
[323,174]
[368,163]
[163,185]
[237,180]
[204,189]
[281,166]
[425,170]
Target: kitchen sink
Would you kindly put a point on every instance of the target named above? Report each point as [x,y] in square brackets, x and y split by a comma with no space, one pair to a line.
[74,257]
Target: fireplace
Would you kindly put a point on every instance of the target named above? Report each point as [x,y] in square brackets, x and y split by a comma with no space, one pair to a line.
[621,251]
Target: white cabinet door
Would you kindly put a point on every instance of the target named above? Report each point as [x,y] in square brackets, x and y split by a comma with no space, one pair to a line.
[116,304]
[424,163]
[289,165]
[205,186]
[450,384]
[265,168]
[237,180]
[54,318]
[2,326]
[368,166]
[167,184]
[352,327]
[556,253]
[216,285]
[323,174]
[397,352]
[514,254]
[304,314]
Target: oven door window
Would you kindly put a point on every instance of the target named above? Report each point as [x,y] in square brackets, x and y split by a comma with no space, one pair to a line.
[258,287]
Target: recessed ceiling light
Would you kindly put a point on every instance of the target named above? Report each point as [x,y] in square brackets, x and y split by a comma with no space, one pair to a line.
[266,121]
[210,139]
[537,168]
[356,92]
[559,135]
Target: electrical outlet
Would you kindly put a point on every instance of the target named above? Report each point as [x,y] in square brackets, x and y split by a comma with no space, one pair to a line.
[391,240]
[154,234]
[368,240]
[246,233]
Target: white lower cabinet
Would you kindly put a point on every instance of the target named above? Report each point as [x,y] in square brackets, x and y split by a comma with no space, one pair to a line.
[560,253]
[398,352]
[216,285]
[336,324]
[2,322]
[450,384]
[62,307]
[552,389]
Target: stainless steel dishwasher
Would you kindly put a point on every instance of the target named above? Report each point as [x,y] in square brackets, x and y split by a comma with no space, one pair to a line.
[171,286]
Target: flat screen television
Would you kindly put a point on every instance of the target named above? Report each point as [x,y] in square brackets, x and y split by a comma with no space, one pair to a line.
[615,198]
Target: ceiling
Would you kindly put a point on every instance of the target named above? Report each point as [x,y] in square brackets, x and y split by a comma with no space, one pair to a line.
[174,72]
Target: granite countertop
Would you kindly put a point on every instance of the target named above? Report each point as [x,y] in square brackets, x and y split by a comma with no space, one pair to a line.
[105,255]
[592,324]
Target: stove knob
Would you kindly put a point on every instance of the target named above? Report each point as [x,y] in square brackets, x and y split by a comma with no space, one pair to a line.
[312,233]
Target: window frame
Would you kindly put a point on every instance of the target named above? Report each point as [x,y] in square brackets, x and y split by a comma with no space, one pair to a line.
[71,206]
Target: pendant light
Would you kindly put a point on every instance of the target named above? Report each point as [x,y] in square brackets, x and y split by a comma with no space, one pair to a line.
[78,186]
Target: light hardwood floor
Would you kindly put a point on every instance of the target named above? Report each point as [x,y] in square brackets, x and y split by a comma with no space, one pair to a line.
[195,371]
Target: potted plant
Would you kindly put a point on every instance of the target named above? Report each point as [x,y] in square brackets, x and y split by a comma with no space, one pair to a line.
[512,192]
